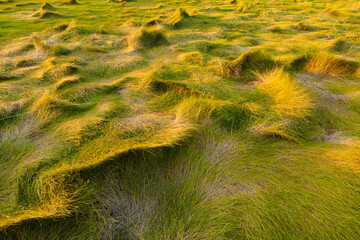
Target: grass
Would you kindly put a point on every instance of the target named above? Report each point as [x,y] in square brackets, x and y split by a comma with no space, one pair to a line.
[147,38]
[179,120]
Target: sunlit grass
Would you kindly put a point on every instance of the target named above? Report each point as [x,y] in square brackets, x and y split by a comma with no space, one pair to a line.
[179,120]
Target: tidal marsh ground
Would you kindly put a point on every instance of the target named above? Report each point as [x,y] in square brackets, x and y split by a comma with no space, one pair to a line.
[179,119]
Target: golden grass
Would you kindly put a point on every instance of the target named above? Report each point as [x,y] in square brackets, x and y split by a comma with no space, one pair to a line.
[288,98]
[43,107]
[326,64]
[241,6]
[339,45]
[192,57]
[269,128]
[55,194]
[147,37]
[176,19]
[55,68]
[355,7]
[288,104]
[346,155]
[357,73]
[194,107]
[332,12]
[17,47]
[302,26]
[66,81]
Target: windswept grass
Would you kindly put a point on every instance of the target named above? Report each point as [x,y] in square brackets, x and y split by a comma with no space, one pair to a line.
[289,105]
[289,99]
[179,120]
[327,64]
[178,18]
[245,66]
[147,37]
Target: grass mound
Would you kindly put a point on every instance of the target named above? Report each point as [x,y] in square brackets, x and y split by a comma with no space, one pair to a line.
[152,22]
[45,14]
[178,18]
[339,45]
[192,57]
[241,6]
[249,63]
[47,6]
[23,63]
[99,142]
[329,65]
[148,37]
[332,12]
[301,26]
[289,105]
[70,2]
[288,98]
[66,81]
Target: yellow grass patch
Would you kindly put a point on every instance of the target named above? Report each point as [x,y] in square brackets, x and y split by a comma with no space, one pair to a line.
[325,64]
[289,99]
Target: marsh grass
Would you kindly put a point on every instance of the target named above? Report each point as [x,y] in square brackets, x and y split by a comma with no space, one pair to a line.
[244,66]
[178,18]
[147,37]
[232,120]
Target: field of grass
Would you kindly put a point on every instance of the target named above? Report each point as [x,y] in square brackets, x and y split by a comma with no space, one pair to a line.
[192,119]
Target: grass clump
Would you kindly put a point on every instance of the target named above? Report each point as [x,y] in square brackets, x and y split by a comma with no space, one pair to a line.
[66,81]
[339,45]
[24,62]
[192,57]
[288,108]
[301,26]
[44,14]
[357,73]
[300,62]
[152,22]
[329,65]
[178,18]
[60,27]
[241,6]
[332,12]
[56,68]
[288,98]
[249,63]
[69,2]
[47,6]
[148,37]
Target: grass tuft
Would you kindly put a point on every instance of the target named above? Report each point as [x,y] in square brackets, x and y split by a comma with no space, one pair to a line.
[289,100]
[70,2]
[286,113]
[178,18]
[329,65]
[249,63]
[301,26]
[47,6]
[241,6]
[152,22]
[192,57]
[339,45]
[148,37]
[45,14]
[332,12]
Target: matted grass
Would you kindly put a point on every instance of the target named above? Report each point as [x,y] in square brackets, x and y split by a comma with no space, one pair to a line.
[179,119]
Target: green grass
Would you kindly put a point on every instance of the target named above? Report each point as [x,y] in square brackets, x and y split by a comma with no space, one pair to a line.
[179,119]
